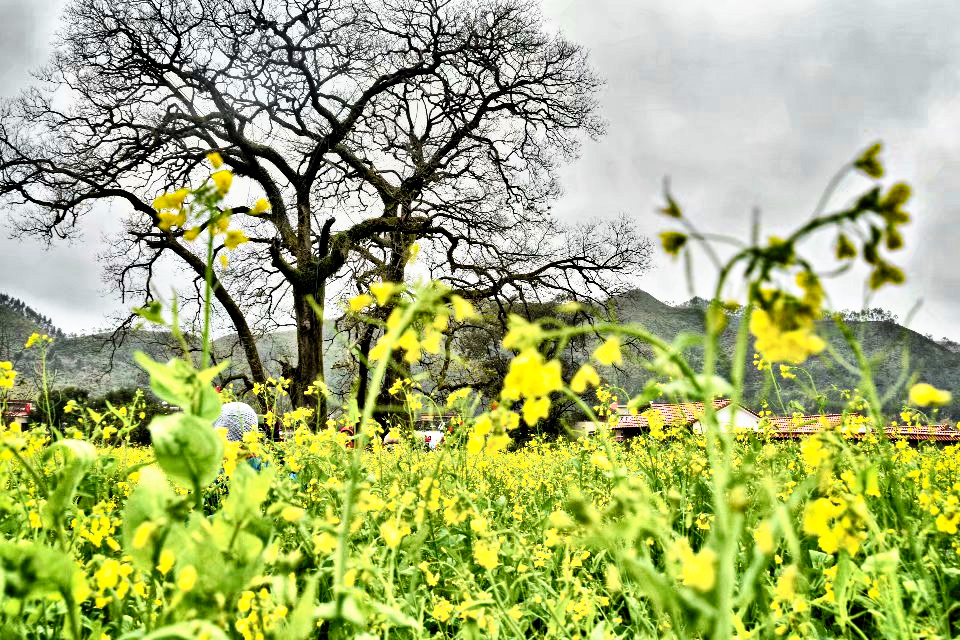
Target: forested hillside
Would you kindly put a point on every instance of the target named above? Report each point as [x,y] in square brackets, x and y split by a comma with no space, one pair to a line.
[95,363]
[894,351]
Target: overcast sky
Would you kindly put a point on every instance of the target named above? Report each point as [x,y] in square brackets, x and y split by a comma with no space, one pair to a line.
[744,104]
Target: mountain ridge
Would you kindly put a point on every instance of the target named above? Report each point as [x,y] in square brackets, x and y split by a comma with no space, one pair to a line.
[85,360]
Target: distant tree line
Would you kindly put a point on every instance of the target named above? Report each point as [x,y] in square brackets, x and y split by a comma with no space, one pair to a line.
[56,413]
[42,322]
[875,314]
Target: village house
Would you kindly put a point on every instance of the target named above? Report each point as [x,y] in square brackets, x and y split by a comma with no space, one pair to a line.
[688,415]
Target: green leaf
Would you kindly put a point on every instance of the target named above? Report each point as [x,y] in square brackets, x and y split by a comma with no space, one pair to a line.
[168,381]
[248,490]
[395,616]
[300,623]
[78,458]
[348,611]
[188,631]
[180,384]
[35,570]
[243,546]
[147,503]
[207,403]
[151,313]
[885,562]
[207,375]
[187,448]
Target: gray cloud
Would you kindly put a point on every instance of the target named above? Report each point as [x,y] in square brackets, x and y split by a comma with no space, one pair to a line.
[18,46]
[756,105]
[743,104]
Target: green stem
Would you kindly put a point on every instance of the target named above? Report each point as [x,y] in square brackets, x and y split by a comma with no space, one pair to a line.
[207,292]
[340,562]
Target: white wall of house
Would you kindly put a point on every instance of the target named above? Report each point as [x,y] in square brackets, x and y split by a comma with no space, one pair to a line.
[735,416]
[582,428]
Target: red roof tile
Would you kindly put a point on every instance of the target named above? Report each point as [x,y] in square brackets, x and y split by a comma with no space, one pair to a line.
[797,426]
[17,409]
[833,420]
[938,432]
[782,427]
[682,414]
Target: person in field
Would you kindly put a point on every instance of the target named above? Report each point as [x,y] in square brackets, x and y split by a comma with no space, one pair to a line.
[239,418]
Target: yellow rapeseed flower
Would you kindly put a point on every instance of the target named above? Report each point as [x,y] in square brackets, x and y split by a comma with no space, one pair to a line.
[600,460]
[37,339]
[536,409]
[486,552]
[609,352]
[462,310]
[948,525]
[167,560]
[324,543]
[497,442]
[215,159]
[459,394]
[220,224]
[383,291]
[410,344]
[776,345]
[530,376]
[393,534]
[173,200]
[442,610]
[222,179]
[7,375]
[260,206]
[168,220]
[813,452]
[141,537]
[245,601]
[475,444]
[520,333]
[234,239]
[786,585]
[613,582]
[187,578]
[108,575]
[585,376]
[923,394]
[360,302]
[291,513]
[431,578]
[432,341]
[763,536]
[698,570]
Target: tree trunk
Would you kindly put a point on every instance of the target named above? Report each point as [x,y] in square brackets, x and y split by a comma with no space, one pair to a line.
[363,364]
[309,356]
[397,368]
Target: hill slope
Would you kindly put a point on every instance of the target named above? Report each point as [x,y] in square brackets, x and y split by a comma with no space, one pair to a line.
[86,361]
[897,355]
[17,322]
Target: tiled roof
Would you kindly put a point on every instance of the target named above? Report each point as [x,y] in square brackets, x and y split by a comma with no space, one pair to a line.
[17,409]
[781,427]
[791,427]
[939,432]
[827,420]
[682,414]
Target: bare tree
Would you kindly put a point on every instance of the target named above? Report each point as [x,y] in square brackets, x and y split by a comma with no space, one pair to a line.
[369,126]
